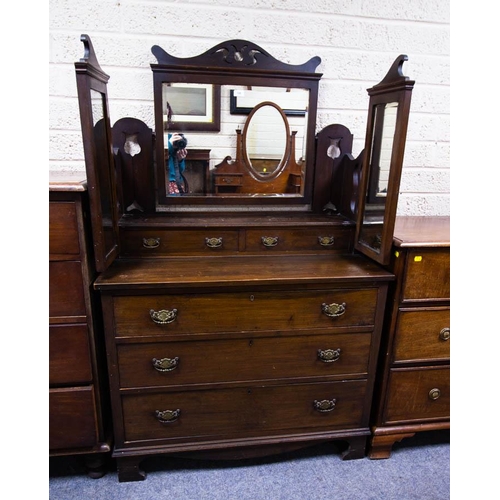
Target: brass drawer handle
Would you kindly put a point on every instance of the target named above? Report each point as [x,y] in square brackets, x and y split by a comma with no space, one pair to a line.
[213,242]
[328,355]
[444,334]
[326,241]
[165,364]
[333,310]
[324,406]
[163,317]
[434,394]
[167,416]
[151,243]
[269,241]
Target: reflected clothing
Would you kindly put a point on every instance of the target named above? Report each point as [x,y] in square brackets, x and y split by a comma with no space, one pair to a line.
[172,154]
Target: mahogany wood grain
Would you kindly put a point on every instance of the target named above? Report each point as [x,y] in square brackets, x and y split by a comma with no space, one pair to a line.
[245,359]
[251,411]
[250,311]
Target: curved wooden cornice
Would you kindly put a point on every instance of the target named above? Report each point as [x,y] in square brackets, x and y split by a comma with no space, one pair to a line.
[89,63]
[240,54]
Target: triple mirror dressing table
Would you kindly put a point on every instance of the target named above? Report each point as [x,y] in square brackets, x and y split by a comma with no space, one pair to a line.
[243,286]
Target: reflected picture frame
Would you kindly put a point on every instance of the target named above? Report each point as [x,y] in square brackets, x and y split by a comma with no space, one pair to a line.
[190,107]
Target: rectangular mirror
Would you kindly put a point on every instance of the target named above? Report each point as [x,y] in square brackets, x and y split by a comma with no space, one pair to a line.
[263,158]
[389,109]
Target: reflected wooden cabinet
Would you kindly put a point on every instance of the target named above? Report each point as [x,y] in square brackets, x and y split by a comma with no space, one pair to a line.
[77,381]
[413,388]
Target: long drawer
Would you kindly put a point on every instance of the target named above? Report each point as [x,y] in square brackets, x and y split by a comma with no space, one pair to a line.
[422,335]
[247,411]
[219,361]
[241,311]
[418,394]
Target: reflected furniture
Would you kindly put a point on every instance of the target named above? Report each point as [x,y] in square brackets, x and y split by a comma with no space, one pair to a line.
[413,385]
[237,324]
[79,421]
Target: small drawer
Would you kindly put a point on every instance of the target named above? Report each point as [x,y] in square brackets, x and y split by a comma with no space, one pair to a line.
[427,275]
[69,355]
[150,243]
[240,311]
[228,180]
[418,394]
[63,230]
[298,239]
[66,294]
[72,421]
[422,335]
[249,411]
[219,361]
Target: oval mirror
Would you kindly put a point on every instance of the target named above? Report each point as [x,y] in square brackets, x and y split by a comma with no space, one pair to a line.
[266,141]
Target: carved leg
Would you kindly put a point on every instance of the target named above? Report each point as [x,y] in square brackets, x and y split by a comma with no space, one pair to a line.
[381,444]
[356,448]
[128,469]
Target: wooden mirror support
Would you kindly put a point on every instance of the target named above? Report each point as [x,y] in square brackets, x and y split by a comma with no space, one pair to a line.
[96,134]
[389,109]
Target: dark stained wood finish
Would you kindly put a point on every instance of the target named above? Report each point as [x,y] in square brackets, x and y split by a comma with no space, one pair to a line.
[248,359]
[248,321]
[413,386]
[78,400]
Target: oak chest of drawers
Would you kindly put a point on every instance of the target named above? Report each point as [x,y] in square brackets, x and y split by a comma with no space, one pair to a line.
[413,390]
[77,392]
[229,355]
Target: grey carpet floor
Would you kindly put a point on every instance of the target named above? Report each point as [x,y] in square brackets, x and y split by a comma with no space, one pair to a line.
[419,468]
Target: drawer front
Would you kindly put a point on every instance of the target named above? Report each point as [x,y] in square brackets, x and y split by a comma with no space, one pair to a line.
[63,229]
[69,355]
[149,243]
[202,362]
[241,412]
[298,239]
[66,295]
[418,394]
[72,418]
[427,274]
[422,335]
[236,312]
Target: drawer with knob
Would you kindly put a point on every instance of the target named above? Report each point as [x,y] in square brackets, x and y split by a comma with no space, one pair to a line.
[422,335]
[250,411]
[236,360]
[322,310]
[418,394]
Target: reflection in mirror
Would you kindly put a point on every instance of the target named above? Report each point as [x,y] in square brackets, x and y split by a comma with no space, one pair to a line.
[265,141]
[103,171]
[384,127]
[267,138]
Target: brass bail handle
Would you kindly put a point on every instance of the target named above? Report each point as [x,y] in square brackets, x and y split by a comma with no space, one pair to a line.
[167,416]
[333,310]
[164,316]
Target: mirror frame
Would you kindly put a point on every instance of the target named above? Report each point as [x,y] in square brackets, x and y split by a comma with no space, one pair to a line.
[394,88]
[90,76]
[286,154]
[234,62]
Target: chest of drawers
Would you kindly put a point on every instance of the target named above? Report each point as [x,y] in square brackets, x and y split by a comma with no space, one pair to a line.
[413,390]
[77,390]
[231,356]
